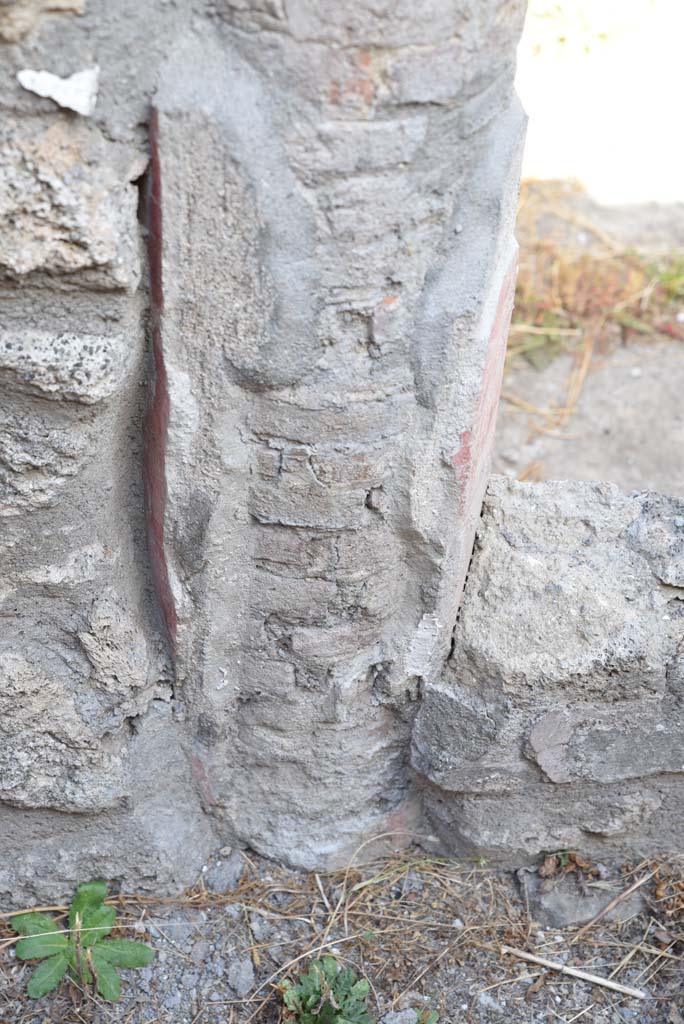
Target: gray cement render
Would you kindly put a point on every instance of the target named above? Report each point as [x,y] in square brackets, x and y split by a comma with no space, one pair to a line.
[311,422]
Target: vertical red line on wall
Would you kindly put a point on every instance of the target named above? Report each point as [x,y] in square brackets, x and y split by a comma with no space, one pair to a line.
[472,459]
[157,414]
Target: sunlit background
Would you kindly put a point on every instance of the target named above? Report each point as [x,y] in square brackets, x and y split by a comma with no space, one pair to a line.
[595,370]
[603,84]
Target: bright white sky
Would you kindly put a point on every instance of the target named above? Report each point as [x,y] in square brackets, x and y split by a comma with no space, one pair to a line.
[603,84]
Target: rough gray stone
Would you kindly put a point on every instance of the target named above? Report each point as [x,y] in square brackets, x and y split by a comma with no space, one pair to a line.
[18,17]
[399,1017]
[225,873]
[563,901]
[241,977]
[68,367]
[68,206]
[558,720]
[36,460]
[489,1003]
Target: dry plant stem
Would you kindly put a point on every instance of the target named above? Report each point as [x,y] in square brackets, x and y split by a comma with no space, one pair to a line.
[545,331]
[613,903]
[36,910]
[574,972]
[631,953]
[508,396]
[425,970]
[357,851]
[322,892]
[581,1013]
[577,378]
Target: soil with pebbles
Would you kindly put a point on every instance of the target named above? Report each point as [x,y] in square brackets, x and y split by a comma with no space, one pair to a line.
[427,933]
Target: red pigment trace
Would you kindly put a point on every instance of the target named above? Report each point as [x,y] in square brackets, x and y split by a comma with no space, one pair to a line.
[157,415]
[472,458]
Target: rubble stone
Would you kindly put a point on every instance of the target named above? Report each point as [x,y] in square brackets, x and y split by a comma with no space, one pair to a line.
[558,719]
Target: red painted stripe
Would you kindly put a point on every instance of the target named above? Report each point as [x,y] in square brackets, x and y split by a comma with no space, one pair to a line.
[157,415]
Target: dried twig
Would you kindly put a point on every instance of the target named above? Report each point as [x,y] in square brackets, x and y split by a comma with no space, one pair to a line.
[613,903]
[574,972]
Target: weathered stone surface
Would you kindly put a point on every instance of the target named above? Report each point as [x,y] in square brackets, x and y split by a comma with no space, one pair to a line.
[226,871]
[400,1017]
[559,719]
[69,367]
[565,900]
[67,206]
[241,977]
[298,349]
[323,432]
[36,460]
[148,841]
[18,17]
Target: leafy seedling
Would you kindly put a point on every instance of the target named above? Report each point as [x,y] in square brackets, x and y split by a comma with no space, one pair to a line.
[327,994]
[82,949]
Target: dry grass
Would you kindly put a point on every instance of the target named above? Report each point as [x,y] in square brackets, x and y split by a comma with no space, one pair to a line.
[408,924]
[580,292]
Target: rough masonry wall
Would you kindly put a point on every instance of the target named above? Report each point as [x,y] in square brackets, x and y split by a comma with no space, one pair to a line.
[253,317]
[86,681]
[559,720]
[244,438]
[322,484]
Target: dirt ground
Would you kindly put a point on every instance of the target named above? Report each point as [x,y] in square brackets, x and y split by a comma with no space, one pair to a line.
[595,375]
[428,934]
[628,426]
[599,81]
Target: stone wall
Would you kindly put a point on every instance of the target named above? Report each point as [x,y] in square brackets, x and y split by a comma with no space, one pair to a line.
[559,720]
[253,320]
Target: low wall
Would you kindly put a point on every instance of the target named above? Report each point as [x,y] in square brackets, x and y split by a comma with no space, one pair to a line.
[559,720]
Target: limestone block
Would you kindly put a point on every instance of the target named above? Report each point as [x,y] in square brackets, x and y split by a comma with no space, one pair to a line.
[36,460]
[48,756]
[157,838]
[67,205]
[64,366]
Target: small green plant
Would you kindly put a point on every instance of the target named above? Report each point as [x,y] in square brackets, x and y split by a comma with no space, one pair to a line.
[327,994]
[81,949]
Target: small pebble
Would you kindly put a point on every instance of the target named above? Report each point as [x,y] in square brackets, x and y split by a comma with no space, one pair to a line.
[488,1002]
[172,1001]
[224,875]
[401,1017]
[241,977]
